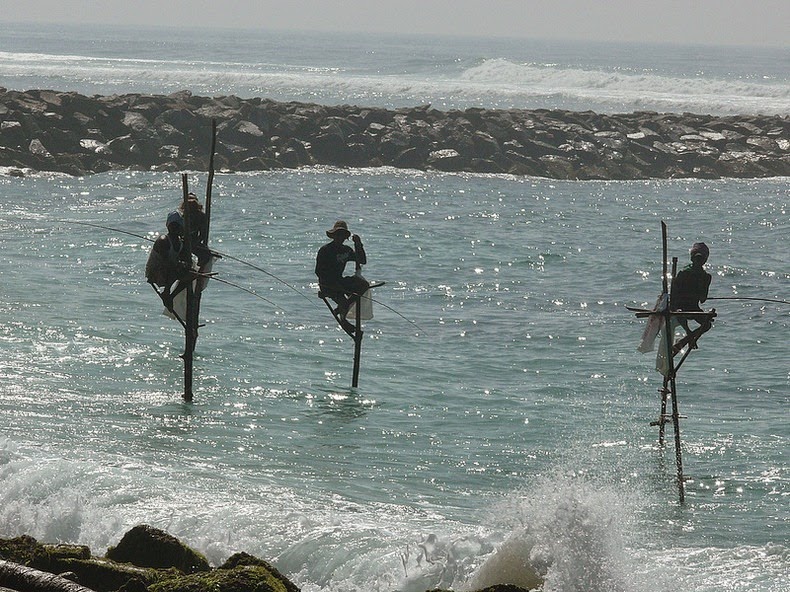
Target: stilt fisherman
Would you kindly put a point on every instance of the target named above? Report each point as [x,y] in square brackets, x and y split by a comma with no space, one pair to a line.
[690,286]
[330,264]
[164,267]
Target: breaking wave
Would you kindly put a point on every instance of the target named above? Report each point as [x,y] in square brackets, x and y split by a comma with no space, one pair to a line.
[493,83]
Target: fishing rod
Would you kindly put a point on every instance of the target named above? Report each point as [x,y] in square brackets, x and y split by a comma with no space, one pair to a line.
[748,298]
[212,251]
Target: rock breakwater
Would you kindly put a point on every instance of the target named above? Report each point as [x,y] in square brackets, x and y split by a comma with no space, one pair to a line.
[67,132]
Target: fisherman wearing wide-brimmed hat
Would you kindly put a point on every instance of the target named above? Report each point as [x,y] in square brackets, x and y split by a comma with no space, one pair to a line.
[331,262]
[690,286]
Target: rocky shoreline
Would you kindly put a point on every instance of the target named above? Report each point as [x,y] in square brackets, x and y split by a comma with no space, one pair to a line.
[43,130]
[145,560]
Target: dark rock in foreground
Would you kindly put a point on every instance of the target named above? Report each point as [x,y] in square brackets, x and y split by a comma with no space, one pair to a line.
[148,560]
[72,133]
[146,546]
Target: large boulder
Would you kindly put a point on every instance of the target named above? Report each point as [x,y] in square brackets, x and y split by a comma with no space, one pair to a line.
[146,546]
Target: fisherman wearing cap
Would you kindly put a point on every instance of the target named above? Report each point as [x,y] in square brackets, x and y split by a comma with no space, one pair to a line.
[164,266]
[331,262]
[690,286]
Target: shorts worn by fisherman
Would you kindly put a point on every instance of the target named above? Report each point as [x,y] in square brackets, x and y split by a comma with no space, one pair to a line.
[331,262]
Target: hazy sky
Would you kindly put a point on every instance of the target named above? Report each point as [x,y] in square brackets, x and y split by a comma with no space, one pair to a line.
[753,22]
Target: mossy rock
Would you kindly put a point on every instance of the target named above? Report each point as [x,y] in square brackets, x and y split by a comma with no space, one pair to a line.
[25,550]
[146,546]
[244,578]
[62,551]
[242,558]
[104,575]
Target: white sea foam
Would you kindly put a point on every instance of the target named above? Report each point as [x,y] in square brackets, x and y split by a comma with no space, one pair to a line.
[630,91]
[569,535]
[498,83]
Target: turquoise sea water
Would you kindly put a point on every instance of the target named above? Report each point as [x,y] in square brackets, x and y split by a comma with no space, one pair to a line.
[505,437]
[517,416]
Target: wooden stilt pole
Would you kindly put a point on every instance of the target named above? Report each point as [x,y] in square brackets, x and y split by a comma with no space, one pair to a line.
[210,181]
[676,426]
[194,296]
[662,417]
[357,340]
[190,332]
[353,331]
[669,379]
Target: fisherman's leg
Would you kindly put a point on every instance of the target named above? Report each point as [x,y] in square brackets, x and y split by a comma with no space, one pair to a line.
[203,255]
[343,302]
[354,286]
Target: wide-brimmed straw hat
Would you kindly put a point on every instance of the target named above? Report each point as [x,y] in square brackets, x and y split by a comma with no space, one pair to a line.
[339,226]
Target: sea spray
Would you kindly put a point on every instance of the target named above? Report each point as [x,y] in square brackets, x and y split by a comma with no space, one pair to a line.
[568,534]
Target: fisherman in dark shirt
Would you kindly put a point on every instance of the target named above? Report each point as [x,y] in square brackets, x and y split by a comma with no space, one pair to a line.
[331,262]
[690,286]
[197,228]
[164,266]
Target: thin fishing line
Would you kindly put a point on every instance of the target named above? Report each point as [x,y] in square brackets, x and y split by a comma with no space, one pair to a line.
[252,265]
[748,298]
[247,263]
[396,312]
[253,292]
[213,252]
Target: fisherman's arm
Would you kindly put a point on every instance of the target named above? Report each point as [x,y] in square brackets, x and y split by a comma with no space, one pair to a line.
[704,287]
[359,251]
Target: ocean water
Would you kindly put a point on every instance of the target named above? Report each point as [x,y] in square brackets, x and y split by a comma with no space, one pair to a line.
[501,433]
[393,71]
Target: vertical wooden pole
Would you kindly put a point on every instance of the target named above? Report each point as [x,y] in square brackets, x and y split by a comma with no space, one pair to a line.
[670,377]
[661,418]
[667,341]
[357,341]
[210,181]
[193,296]
[676,410]
[190,331]
[678,453]
[207,210]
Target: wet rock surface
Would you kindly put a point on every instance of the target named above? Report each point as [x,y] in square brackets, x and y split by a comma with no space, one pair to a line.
[145,560]
[68,132]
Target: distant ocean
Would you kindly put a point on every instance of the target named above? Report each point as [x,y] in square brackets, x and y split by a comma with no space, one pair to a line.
[506,436]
